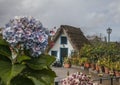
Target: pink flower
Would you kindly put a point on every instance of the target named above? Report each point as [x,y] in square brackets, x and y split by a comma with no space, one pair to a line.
[76,79]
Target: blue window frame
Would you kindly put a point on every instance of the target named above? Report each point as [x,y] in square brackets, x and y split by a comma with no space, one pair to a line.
[63,40]
[54,53]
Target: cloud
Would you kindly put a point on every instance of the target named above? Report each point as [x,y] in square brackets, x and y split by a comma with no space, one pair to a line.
[92,16]
[115,11]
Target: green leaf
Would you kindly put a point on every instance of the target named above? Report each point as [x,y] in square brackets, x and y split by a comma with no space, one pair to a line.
[42,62]
[36,81]
[23,58]
[34,77]
[9,71]
[5,50]
[3,42]
[4,58]
[21,80]
[48,76]
[41,77]
[49,59]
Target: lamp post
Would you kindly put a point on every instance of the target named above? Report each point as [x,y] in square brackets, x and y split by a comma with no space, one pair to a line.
[111,75]
[109,30]
[100,75]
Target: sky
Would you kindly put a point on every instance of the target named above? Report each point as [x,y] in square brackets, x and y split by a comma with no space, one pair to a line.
[92,16]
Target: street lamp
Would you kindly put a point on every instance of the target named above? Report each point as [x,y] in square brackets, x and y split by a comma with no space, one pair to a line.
[111,75]
[109,30]
[100,75]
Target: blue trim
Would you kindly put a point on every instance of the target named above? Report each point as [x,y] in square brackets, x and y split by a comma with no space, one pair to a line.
[65,40]
[54,53]
[64,55]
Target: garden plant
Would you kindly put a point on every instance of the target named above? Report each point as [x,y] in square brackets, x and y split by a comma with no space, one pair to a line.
[22,58]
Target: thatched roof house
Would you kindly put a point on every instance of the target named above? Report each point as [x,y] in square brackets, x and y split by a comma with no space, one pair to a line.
[75,40]
[74,35]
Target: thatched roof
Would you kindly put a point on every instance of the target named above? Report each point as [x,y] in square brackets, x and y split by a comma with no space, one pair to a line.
[74,35]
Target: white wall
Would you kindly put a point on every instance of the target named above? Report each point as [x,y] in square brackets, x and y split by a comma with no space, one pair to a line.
[58,45]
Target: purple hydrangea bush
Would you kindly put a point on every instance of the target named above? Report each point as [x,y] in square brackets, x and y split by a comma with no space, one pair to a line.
[22,57]
[27,32]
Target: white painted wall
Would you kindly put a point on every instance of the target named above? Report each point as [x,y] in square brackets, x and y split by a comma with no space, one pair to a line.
[58,45]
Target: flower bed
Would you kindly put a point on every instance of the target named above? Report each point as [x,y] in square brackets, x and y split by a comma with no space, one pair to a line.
[76,79]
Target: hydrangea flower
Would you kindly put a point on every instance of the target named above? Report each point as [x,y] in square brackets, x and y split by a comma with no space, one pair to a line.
[76,79]
[28,32]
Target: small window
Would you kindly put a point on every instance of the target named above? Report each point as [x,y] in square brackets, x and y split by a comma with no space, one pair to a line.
[54,53]
[63,40]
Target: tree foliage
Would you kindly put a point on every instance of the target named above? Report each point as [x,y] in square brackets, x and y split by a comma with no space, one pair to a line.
[101,50]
